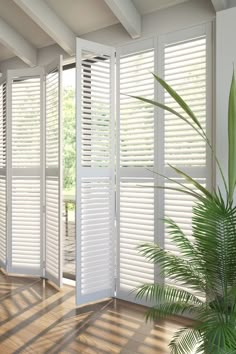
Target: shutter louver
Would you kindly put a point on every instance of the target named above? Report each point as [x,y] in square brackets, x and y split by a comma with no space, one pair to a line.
[136,206]
[53,216]
[25,176]
[95,171]
[3,200]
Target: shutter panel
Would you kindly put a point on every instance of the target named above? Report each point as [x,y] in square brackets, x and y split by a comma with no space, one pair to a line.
[24,172]
[3,185]
[95,172]
[185,69]
[136,207]
[53,175]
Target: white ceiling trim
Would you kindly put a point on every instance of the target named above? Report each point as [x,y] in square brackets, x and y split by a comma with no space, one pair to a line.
[127,14]
[17,44]
[46,18]
[219,5]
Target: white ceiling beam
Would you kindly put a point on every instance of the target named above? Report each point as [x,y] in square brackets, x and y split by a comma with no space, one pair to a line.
[17,44]
[219,5]
[46,18]
[127,14]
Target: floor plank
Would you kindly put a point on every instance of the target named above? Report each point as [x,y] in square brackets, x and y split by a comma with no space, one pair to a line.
[35,318]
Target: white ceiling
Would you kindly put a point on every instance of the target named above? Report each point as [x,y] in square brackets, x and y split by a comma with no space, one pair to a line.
[17,19]
[81,16]
[148,6]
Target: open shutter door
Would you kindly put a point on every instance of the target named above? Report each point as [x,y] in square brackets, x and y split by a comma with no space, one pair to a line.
[24,177]
[53,175]
[95,172]
[3,183]
[136,199]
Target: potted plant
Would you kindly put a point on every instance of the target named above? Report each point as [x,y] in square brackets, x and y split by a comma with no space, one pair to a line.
[206,267]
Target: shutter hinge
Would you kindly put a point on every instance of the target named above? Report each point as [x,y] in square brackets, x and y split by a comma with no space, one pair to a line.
[44,264]
[44,209]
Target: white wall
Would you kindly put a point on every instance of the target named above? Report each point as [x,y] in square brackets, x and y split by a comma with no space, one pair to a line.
[225,57]
[167,20]
[231,3]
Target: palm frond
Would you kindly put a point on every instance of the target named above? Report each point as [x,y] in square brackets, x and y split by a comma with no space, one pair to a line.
[174,267]
[220,337]
[157,293]
[193,182]
[183,186]
[208,263]
[180,101]
[185,246]
[174,308]
[169,109]
[185,341]
[214,231]
[232,138]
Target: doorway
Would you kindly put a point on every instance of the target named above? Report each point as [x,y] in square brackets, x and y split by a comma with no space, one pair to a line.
[69,158]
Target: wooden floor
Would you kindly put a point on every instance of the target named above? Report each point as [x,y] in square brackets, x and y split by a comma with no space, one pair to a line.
[35,318]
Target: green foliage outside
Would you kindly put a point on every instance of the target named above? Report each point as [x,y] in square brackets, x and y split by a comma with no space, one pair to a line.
[69,140]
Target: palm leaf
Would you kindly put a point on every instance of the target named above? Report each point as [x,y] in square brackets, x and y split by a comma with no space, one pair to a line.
[163,310]
[193,182]
[183,190]
[163,293]
[171,110]
[174,267]
[197,195]
[220,337]
[232,138]
[179,100]
[214,230]
[209,263]
[185,341]
[178,237]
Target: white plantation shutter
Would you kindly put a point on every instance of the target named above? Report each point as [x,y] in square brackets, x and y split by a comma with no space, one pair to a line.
[3,185]
[187,70]
[95,172]
[53,174]
[24,125]
[136,207]
[148,139]
[28,154]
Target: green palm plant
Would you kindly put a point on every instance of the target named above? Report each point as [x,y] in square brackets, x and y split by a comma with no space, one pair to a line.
[206,267]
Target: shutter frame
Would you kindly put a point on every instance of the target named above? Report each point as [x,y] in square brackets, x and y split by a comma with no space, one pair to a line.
[199,171]
[202,170]
[25,176]
[3,173]
[52,155]
[15,263]
[128,177]
[95,176]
